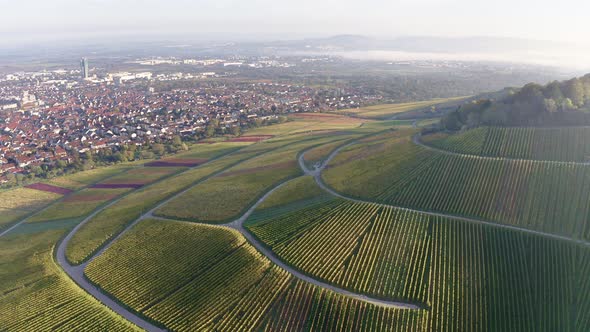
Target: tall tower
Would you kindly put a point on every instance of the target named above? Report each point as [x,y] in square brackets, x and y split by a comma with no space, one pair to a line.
[84,67]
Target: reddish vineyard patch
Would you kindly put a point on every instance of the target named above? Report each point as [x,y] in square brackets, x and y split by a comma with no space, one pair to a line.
[283,165]
[49,188]
[117,185]
[176,163]
[256,138]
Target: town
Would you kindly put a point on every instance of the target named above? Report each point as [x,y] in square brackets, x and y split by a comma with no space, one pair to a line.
[50,118]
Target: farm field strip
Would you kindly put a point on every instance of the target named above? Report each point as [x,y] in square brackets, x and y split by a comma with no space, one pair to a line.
[560,145]
[51,200]
[77,205]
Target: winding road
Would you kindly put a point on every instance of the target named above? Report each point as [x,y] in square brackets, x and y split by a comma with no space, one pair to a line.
[77,272]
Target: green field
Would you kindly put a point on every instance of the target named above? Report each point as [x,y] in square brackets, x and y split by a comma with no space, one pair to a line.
[387,111]
[16,204]
[77,204]
[556,144]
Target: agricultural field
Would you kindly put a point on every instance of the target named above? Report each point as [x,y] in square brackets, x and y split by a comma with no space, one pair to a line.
[35,295]
[223,284]
[318,155]
[141,176]
[310,122]
[348,244]
[219,282]
[223,197]
[446,265]
[555,144]
[387,111]
[85,178]
[78,204]
[544,196]
[108,223]
[16,204]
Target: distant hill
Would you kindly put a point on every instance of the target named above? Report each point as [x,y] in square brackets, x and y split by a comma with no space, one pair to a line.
[427,44]
[557,103]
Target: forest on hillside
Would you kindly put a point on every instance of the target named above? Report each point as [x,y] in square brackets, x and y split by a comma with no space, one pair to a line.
[554,104]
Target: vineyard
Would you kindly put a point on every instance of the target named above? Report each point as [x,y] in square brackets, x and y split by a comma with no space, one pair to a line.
[555,144]
[471,277]
[545,196]
[387,111]
[35,295]
[217,281]
[361,257]
[224,284]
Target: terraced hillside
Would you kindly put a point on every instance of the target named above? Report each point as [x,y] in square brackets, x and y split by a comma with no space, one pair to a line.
[556,144]
[544,196]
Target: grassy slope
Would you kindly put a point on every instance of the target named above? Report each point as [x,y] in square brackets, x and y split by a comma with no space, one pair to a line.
[225,196]
[386,111]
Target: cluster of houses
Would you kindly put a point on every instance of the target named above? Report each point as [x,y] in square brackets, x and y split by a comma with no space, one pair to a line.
[42,123]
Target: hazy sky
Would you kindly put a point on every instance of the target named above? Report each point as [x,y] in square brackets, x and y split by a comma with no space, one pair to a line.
[564,20]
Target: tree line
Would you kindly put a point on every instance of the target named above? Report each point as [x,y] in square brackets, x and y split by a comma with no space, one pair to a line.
[555,104]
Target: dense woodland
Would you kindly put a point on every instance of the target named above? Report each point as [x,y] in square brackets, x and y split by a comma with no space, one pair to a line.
[555,104]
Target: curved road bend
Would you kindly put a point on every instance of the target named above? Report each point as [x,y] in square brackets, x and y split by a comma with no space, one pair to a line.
[416,139]
[318,179]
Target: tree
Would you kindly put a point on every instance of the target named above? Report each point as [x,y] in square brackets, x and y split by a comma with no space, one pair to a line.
[550,105]
[158,149]
[553,91]
[235,130]
[574,90]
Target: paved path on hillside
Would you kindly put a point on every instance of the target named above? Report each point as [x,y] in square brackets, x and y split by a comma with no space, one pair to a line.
[416,139]
[316,173]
